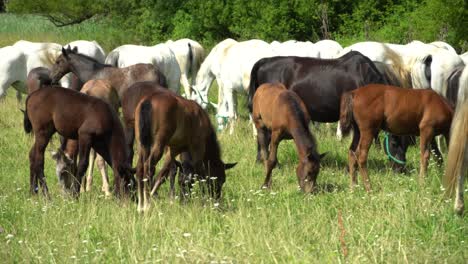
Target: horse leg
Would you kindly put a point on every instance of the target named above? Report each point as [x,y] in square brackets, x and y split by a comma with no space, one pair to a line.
[101,164]
[352,158]
[87,181]
[263,139]
[435,150]
[272,159]
[130,138]
[33,184]
[363,151]
[84,148]
[339,134]
[426,138]
[142,157]
[42,138]
[185,83]
[172,176]
[163,173]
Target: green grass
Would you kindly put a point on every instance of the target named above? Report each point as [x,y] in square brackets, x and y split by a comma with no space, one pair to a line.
[399,222]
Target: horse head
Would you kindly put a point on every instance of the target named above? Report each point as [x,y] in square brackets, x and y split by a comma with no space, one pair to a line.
[62,64]
[65,169]
[308,169]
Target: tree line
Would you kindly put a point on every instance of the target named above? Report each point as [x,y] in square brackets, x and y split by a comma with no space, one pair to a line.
[210,21]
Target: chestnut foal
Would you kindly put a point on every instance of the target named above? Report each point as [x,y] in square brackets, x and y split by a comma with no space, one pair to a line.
[396,110]
[281,113]
[166,121]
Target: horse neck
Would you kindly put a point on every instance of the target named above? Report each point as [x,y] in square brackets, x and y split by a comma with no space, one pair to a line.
[212,150]
[204,76]
[303,140]
[84,68]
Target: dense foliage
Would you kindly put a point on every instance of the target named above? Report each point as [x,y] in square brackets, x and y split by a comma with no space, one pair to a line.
[210,21]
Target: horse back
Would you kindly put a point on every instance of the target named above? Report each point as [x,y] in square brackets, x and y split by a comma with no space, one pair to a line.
[67,110]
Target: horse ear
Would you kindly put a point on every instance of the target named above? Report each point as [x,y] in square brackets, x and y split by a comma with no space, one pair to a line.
[64,52]
[228,166]
[75,49]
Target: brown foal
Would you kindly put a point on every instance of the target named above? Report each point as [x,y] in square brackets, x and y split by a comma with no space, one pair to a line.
[396,110]
[282,114]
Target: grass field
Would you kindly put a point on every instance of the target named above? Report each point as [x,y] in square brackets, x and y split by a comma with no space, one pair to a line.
[399,222]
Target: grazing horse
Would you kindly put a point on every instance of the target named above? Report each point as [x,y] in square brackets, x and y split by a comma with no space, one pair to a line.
[235,76]
[457,158]
[38,77]
[399,111]
[189,54]
[318,82]
[76,116]
[210,70]
[130,100]
[87,68]
[66,158]
[160,55]
[281,113]
[168,121]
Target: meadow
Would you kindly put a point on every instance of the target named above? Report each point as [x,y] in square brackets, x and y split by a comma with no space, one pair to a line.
[401,221]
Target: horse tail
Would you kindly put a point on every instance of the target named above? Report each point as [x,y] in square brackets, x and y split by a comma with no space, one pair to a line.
[190,57]
[26,122]
[457,148]
[398,67]
[253,85]
[144,126]
[346,113]
[113,58]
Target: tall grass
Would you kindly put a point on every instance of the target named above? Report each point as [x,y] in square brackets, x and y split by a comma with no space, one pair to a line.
[400,221]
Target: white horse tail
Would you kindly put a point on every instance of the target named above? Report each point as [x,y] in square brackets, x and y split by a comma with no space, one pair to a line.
[421,71]
[457,147]
[113,58]
[398,66]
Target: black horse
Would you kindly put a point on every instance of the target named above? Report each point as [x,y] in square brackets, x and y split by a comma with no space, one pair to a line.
[318,82]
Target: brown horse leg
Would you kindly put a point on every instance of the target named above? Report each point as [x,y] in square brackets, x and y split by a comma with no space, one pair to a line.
[101,164]
[142,157]
[87,181]
[437,155]
[352,158]
[33,184]
[426,138]
[84,148]
[37,161]
[163,173]
[272,159]
[363,151]
[172,176]
[262,143]
[130,138]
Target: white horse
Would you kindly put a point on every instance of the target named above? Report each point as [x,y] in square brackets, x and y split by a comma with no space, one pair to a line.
[235,76]
[464,57]
[159,55]
[189,54]
[457,159]
[23,56]
[294,48]
[210,70]
[328,49]
[443,45]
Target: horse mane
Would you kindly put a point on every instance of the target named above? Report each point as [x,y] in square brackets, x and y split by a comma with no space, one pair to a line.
[86,57]
[212,151]
[398,67]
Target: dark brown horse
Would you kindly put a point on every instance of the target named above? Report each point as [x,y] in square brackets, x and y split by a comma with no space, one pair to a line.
[281,113]
[398,111]
[168,121]
[130,99]
[77,116]
[87,68]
